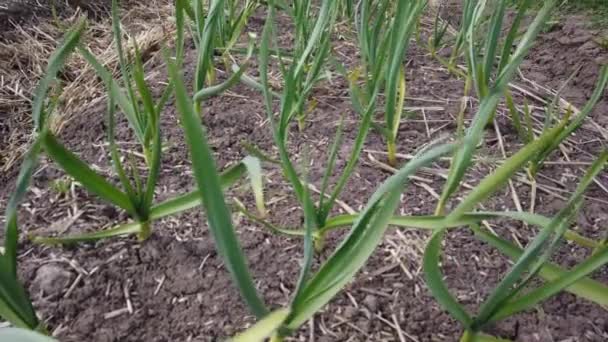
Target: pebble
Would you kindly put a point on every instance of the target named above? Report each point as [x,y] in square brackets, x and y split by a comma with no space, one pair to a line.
[420,316]
[371,302]
[350,312]
[590,48]
[580,39]
[52,279]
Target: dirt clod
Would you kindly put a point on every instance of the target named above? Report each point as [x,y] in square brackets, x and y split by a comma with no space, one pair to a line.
[371,302]
[52,279]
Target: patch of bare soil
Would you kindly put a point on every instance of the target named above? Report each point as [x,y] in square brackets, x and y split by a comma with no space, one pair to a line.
[174,286]
[24,53]
[19,12]
[569,48]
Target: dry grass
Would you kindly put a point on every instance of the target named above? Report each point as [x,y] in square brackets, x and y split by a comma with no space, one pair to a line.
[24,55]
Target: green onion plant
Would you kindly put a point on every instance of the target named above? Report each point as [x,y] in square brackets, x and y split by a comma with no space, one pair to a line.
[300,76]
[437,40]
[384,30]
[311,47]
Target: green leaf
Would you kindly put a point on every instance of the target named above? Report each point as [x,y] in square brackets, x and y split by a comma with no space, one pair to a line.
[227,178]
[207,178]
[310,223]
[180,8]
[171,206]
[433,222]
[124,66]
[493,39]
[494,181]
[56,62]
[513,32]
[217,89]
[238,72]
[323,19]
[524,45]
[404,22]
[120,230]
[264,328]
[254,168]
[30,162]
[470,336]
[462,158]
[434,279]
[484,189]
[584,288]
[144,92]
[15,305]
[206,27]
[81,172]
[253,83]
[364,127]
[114,155]
[116,91]
[22,335]
[570,210]
[524,134]
[331,163]
[602,82]
[147,196]
[566,279]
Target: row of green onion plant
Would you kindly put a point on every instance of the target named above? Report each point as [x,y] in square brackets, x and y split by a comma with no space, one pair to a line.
[134,98]
[488,52]
[384,30]
[311,49]
[489,89]
[312,291]
[507,299]
[315,290]
[487,48]
[301,71]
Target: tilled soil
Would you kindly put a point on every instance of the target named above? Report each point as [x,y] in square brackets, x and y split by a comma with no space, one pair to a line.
[17,12]
[174,287]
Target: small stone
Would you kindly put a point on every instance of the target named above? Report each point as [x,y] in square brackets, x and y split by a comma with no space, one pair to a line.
[52,279]
[580,39]
[420,316]
[149,252]
[350,312]
[371,302]
[229,330]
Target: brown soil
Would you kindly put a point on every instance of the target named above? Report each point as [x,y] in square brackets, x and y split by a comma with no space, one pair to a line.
[17,12]
[174,287]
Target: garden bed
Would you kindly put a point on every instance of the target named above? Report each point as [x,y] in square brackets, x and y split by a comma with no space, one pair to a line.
[174,287]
